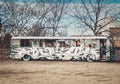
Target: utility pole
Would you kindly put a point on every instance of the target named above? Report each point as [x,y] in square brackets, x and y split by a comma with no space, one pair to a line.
[1,37]
[0,25]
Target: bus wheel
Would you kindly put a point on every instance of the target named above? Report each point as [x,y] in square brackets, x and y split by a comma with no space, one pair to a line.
[72,59]
[89,59]
[56,58]
[43,58]
[26,57]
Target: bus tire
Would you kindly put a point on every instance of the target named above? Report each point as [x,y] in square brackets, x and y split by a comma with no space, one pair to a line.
[43,58]
[26,57]
[72,59]
[89,59]
[56,58]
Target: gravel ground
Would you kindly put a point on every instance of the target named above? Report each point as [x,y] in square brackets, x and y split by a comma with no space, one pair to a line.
[59,72]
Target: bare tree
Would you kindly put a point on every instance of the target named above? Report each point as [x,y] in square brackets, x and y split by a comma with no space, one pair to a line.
[41,10]
[37,30]
[48,16]
[14,19]
[4,18]
[17,17]
[91,13]
[58,10]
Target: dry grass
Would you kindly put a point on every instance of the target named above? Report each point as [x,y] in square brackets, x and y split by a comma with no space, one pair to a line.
[59,72]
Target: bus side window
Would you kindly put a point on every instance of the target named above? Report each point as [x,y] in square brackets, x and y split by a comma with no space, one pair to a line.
[25,43]
[62,44]
[40,43]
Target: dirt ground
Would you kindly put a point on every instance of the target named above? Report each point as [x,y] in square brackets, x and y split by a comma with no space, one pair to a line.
[59,72]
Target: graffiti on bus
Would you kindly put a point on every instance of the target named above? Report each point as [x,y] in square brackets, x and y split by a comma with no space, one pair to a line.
[61,53]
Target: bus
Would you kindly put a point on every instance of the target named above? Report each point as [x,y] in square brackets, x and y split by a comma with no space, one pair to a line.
[90,48]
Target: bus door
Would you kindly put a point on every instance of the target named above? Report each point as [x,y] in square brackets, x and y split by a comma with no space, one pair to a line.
[105,49]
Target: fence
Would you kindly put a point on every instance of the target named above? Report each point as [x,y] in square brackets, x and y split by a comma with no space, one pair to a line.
[4,54]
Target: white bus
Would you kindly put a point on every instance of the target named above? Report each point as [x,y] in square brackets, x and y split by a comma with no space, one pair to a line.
[59,48]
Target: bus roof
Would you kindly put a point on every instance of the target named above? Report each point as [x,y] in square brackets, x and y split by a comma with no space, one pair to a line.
[82,37]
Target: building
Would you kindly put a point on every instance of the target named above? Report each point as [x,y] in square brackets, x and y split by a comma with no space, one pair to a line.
[115,34]
[108,23]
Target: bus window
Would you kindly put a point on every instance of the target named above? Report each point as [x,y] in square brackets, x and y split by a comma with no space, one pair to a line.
[35,43]
[41,43]
[50,43]
[25,43]
[15,43]
[62,44]
[77,43]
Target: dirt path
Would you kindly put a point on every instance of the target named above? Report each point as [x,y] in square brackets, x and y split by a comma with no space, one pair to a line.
[61,72]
